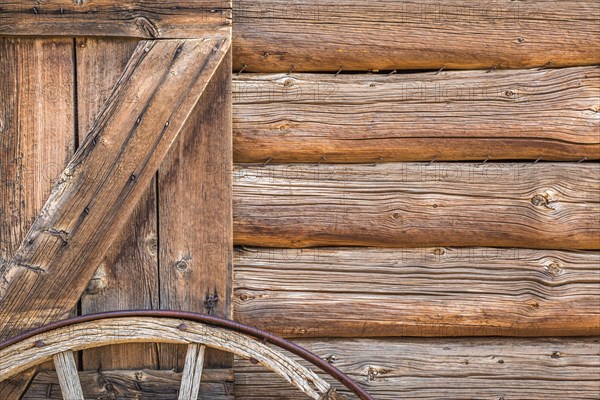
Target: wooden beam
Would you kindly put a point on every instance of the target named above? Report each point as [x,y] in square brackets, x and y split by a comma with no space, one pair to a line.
[37,139]
[349,292]
[353,35]
[105,179]
[139,384]
[127,276]
[409,368]
[130,18]
[533,205]
[475,115]
[195,217]
[66,371]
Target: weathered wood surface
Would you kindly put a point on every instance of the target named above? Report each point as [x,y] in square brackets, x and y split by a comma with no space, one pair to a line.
[348,292]
[134,384]
[192,372]
[114,165]
[130,18]
[392,369]
[327,35]
[37,139]
[533,205]
[472,115]
[127,276]
[195,217]
[38,348]
[68,378]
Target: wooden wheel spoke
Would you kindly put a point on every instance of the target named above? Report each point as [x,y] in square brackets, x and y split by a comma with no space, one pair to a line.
[68,377]
[192,372]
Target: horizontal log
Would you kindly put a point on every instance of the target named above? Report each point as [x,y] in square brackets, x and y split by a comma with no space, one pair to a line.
[392,369]
[131,384]
[349,292]
[353,35]
[329,35]
[131,18]
[533,205]
[471,115]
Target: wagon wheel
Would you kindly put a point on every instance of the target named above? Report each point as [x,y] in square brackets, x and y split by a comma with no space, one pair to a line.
[59,340]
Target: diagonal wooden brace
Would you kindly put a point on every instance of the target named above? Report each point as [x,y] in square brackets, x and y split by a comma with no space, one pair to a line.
[106,177]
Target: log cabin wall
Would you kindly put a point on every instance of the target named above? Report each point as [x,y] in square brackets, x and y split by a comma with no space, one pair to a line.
[416,197]
[417,193]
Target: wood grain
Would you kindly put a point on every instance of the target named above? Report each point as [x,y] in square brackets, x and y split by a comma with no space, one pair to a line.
[37,138]
[192,372]
[459,115]
[127,277]
[130,18]
[327,35]
[37,348]
[68,378]
[349,292]
[532,205]
[114,166]
[134,384]
[392,369]
[195,217]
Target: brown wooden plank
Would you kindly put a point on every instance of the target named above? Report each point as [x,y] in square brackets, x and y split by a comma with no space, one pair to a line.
[327,35]
[127,277]
[533,205]
[472,115]
[195,222]
[134,384]
[130,18]
[483,368]
[105,179]
[349,292]
[37,138]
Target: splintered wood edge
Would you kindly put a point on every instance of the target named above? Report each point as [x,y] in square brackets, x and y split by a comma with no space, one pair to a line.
[40,348]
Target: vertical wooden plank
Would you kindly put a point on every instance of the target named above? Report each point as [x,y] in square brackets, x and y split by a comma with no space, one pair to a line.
[68,377]
[192,372]
[37,132]
[195,219]
[127,278]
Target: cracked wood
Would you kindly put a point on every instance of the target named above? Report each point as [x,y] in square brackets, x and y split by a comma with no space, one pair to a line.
[532,205]
[127,276]
[353,35]
[105,179]
[195,217]
[349,292]
[134,384]
[446,368]
[37,122]
[458,115]
[129,18]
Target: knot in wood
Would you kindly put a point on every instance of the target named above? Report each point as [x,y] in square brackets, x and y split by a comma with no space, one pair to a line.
[182,265]
[539,200]
[553,269]
[145,25]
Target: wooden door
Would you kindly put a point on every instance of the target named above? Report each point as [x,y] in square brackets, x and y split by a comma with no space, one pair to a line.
[115,158]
